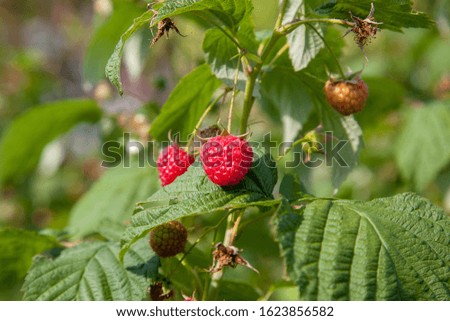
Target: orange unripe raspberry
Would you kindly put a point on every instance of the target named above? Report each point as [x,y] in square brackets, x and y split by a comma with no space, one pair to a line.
[347,96]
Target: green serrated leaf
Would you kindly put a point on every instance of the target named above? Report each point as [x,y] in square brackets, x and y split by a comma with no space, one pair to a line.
[304,45]
[111,199]
[104,39]
[91,271]
[112,69]
[394,248]
[229,12]
[347,130]
[394,14]
[423,147]
[341,145]
[304,42]
[194,194]
[34,129]
[186,104]
[17,248]
[291,188]
[288,94]
[222,55]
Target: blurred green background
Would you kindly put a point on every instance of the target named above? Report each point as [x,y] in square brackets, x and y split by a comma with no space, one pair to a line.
[56,49]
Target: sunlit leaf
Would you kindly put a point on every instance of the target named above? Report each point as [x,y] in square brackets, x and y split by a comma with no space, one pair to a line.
[393,248]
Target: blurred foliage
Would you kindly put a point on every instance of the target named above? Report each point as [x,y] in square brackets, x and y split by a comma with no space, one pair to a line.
[49,51]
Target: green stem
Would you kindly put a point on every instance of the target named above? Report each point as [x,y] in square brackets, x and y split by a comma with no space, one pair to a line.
[233,95]
[248,102]
[251,80]
[278,55]
[279,31]
[291,26]
[341,71]
[299,141]
[233,39]
[208,18]
[283,7]
[202,118]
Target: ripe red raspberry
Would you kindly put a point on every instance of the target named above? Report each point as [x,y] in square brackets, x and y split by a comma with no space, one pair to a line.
[347,96]
[173,162]
[226,159]
[168,239]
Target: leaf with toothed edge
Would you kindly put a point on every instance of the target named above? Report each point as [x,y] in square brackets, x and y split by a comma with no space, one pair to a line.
[194,194]
[92,271]
[112,69]
[394,248]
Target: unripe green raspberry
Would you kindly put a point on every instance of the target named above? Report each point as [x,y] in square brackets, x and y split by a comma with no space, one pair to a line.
[168,239]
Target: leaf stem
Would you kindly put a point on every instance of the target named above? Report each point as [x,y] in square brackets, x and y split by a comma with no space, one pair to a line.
[297,142]
[248,103]
[283,7]
[233,95]
[249,99]
[202,118]
[291,26]
[341,71]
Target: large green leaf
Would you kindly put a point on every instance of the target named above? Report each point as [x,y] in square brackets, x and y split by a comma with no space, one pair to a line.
[17,248]
[22,143]
[304,45]
[229,12]
[112,198]
[347,130]
[105,38]
[288,95]
[423,148]
[91,271]
[185,104]
[394,14]
[112,69]
[304,42]
[341,144]
[194,194]
[221,55]
[395,248]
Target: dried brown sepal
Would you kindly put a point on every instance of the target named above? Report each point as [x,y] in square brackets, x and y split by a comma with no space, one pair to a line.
[164,26]
[364,29]
[209,132]
[228,256]
[157,293]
